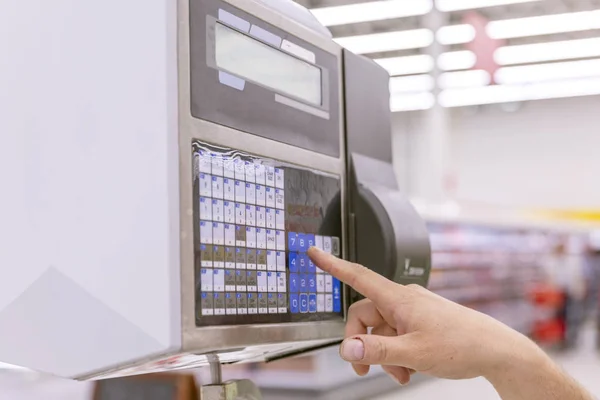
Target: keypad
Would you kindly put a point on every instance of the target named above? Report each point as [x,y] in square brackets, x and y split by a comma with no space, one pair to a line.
[311,289]
[249,264]
[239,232]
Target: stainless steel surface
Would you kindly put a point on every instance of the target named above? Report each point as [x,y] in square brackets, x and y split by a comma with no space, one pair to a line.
[301,106]
[211,339]
[232,390]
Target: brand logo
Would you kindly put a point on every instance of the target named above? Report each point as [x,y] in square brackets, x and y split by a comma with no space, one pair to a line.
[411,270]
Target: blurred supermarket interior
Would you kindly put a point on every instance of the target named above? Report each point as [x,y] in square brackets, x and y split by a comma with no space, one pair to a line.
[495,115]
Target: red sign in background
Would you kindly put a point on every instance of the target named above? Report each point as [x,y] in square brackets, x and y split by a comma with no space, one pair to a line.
[483,46]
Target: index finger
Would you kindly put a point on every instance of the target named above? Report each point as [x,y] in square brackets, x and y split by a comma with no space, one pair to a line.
[365,281]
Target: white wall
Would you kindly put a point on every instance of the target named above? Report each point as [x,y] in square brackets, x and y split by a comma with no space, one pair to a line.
[546,154]
[420,143]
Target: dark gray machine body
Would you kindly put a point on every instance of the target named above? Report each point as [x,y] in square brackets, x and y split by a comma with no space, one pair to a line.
[386,233]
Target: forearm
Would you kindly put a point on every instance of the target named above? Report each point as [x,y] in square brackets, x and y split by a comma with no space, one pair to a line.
[529,374]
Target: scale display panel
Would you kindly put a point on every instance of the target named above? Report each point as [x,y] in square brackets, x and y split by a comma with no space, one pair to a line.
[251,59]
[255,219]
[245,71]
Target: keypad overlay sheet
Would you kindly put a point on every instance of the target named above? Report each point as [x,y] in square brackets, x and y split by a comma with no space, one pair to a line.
[255,220]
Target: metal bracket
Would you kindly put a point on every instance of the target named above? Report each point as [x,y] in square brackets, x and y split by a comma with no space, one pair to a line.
[231,390]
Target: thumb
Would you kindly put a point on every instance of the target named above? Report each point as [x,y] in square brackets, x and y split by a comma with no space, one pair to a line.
[380,350]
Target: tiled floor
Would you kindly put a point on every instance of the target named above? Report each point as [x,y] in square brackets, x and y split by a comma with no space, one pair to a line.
[582,363]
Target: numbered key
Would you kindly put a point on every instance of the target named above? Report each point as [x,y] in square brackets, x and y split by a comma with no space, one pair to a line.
[229,211]
[293,242]
[217,164]
[279,178]
[229,189]
[280,240]
[240,192]
[217,187]
[205,162]
[205,209]
[260,173]
[250,193]
[205,185]
[270,197]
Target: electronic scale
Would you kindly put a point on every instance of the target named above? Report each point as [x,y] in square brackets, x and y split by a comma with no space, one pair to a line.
[168,164]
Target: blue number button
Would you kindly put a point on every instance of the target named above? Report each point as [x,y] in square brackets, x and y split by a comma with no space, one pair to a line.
[303,283]
[302,263]
[303,303]
[294,283]
[294,304]
[310,241]
[312,268]
[337,296]
[312,283]
[302,243]
[293,241]
[312,303]
[293,262]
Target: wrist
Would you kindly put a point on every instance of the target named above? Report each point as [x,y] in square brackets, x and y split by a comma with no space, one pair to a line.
[517,358]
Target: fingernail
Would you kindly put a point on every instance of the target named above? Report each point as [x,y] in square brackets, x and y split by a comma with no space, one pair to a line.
[353,350]
[398,381]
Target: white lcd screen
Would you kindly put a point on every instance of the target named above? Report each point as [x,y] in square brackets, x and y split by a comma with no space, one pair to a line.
[250,59]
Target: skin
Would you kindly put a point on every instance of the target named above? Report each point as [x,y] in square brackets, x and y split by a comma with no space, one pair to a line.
[414,330]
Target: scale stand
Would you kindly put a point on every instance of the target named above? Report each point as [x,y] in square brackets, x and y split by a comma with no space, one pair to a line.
[242,389]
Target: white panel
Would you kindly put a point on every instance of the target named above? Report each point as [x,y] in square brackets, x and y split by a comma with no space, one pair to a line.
[529,155]
[53,303]
[536,157]
[88,165]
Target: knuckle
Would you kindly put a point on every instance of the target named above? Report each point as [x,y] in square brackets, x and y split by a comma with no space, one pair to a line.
[359,305]
[379,351]
[405,314]
[415,287]
[413,293]
[354,307]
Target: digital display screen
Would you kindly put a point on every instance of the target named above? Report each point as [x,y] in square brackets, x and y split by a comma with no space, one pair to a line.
[255,220]
[262,64]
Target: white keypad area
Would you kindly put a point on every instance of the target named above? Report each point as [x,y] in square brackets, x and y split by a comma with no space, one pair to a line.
[242,236]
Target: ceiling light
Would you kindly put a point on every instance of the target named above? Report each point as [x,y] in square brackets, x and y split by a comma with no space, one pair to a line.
[548,72]
[407,65]
[456,5]
[549,51]
[455,34]
[371,11]
[517,93]
[416,83]
[456,60]
[463,79]
[544,25]
[412,102]
[387,41]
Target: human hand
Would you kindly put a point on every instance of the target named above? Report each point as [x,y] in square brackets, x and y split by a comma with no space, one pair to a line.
[414,329]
